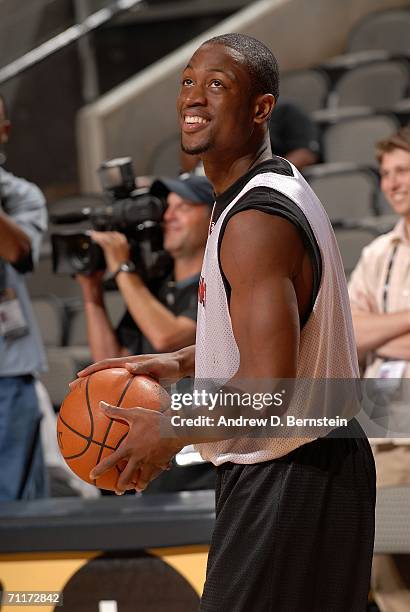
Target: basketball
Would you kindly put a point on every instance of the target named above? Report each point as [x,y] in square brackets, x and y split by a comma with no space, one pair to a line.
[86,435]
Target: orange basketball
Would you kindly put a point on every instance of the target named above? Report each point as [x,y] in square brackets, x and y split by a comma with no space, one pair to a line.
[86,435]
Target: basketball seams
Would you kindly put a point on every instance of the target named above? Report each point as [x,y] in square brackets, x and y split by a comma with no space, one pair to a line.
[99,433]
[88,438]
[90,412]
[110,424]
[84,437]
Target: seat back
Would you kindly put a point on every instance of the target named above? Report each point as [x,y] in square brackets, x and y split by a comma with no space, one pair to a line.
[379,85]
[346,195]
[307,88]
[382,30]
[77,330]
[51,318]
[351,244]
[354,139]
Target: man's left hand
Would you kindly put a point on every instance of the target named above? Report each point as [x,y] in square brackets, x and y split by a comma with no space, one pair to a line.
[115,246]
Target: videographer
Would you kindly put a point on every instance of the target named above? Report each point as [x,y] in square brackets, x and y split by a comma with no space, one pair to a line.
[23,219]
[157,320]
[164,318]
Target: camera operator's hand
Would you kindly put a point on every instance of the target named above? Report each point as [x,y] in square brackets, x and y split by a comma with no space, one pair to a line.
[115,246]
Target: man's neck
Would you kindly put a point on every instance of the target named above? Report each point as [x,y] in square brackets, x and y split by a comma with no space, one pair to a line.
[224,172]
[185,267]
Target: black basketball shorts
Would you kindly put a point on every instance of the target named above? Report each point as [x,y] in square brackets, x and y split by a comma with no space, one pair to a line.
[295,534]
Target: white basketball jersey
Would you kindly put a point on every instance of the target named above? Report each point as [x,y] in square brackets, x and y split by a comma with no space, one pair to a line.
[327,346]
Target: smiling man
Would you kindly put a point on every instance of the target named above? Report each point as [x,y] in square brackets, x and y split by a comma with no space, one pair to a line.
[379,284]
[292,515]
[379,294]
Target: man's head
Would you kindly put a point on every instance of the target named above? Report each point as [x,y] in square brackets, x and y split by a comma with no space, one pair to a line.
[228,91]
[4,122]
[258,59]
[393,154]
[186,219]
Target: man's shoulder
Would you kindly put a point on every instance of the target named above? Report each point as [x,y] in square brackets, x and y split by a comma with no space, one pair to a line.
[8,180]
[12,186]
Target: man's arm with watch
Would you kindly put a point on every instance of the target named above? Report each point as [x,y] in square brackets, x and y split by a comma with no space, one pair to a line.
[164,330]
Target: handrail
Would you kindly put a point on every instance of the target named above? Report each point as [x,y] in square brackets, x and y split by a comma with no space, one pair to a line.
[65,38]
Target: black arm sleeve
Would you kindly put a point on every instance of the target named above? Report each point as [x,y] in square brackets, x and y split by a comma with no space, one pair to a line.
[273,202]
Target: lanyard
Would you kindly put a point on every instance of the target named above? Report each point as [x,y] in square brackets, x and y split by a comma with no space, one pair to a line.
[388,275]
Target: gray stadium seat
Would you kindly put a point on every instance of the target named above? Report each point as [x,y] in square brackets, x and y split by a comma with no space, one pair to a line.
[345,192]
[402,111]
[77,332]
[351,243]
[403,105]
[354,139]
[307,88]
[62,369]
[382,204]
[326,116]
[77,329]
[382,30]
[379,85]
[335,66]
[51,318]
[44,282]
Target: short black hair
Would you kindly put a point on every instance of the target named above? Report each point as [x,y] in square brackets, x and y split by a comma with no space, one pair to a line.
[259,60]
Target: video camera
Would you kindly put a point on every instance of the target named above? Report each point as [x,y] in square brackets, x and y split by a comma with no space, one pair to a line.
[134,212]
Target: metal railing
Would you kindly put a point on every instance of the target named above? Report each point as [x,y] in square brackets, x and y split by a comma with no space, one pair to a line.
[70,35]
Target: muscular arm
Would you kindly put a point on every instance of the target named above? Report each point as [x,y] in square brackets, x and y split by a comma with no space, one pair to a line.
[263,271]
[164,330]
[373,330]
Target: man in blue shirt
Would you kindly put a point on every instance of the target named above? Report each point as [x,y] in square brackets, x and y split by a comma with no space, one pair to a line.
[23,220]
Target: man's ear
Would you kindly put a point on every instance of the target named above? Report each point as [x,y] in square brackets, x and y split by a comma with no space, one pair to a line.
[5,131]
[264,106]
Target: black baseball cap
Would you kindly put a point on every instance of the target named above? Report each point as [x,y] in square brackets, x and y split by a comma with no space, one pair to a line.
[196,189]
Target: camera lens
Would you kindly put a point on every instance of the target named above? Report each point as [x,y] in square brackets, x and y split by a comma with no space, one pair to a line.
[80,255]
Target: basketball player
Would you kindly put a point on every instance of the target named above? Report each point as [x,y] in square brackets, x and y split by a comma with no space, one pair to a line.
[294,521]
